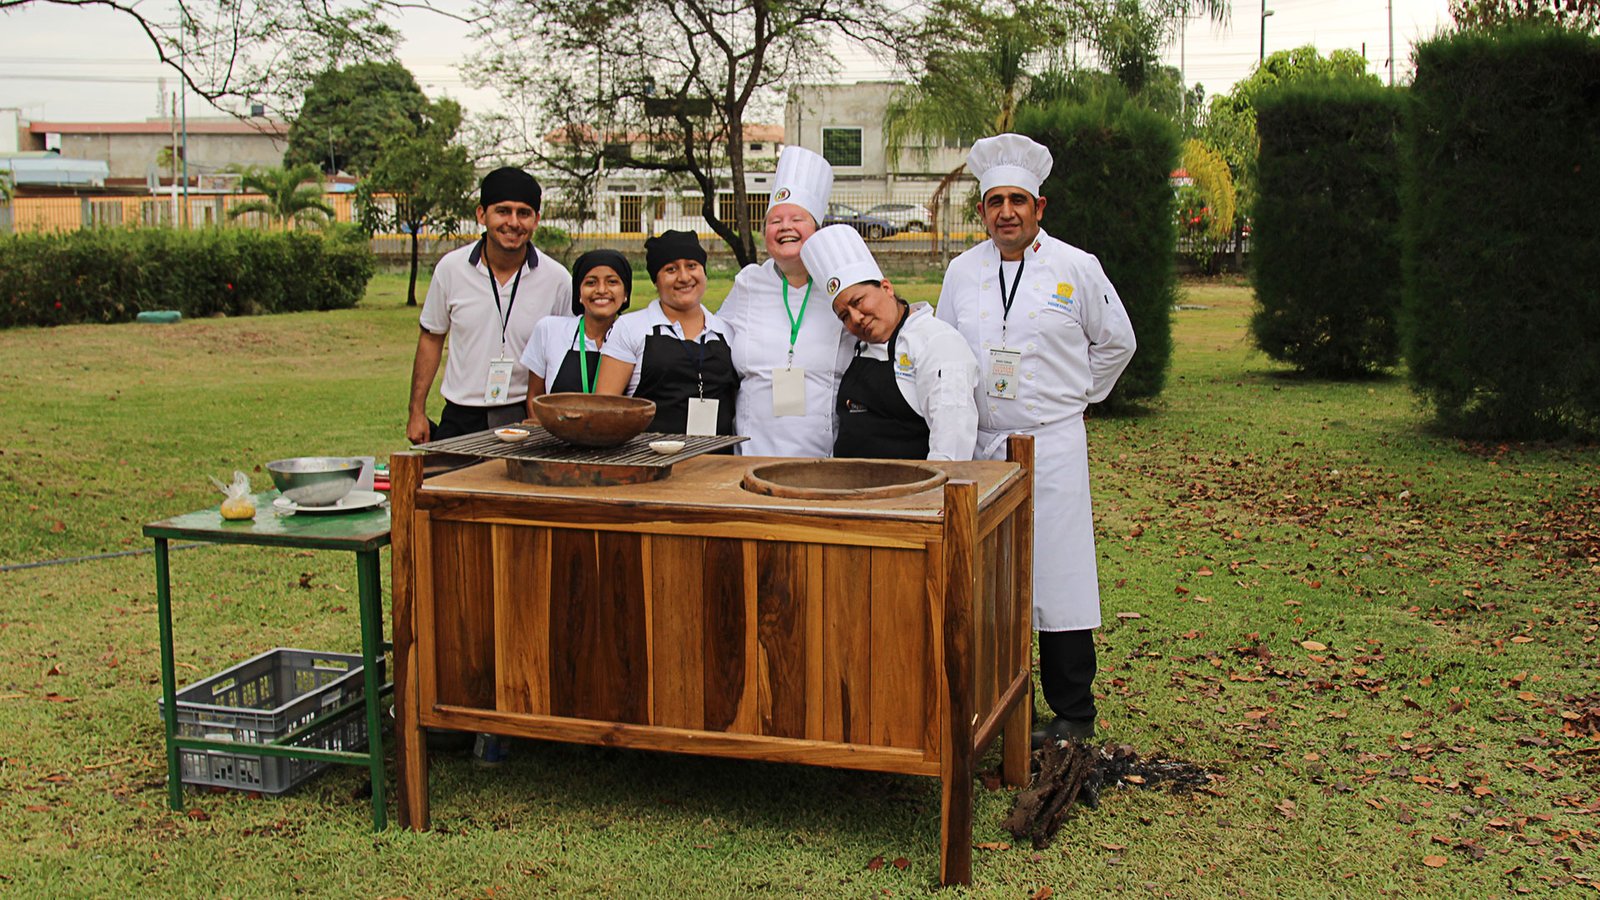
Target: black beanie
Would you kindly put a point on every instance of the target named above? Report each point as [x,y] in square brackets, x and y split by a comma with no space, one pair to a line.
[590,260]
[670,245]
[507,183]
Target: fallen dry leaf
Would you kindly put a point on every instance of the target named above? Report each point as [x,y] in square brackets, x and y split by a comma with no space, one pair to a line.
[875,863]
[1314,646]
[1433,862]
[993,845]
[1129,615]
[1044,893]
[1522,639]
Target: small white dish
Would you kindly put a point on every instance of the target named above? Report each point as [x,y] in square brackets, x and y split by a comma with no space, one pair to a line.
[667,448]
[512,435]
[351,502]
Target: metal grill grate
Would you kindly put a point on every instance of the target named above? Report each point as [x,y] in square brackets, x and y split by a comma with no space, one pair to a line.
[542,446]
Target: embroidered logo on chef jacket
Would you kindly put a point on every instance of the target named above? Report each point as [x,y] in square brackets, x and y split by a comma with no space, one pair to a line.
[1037,245]
[903,367]
[1062,298]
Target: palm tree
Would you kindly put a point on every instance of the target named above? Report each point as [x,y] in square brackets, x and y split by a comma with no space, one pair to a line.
[293,194]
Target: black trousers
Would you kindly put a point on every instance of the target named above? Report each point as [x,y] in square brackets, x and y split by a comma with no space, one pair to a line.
[456,420]
[1066,672]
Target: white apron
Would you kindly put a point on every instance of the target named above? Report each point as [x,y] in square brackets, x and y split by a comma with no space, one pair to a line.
[1066,591]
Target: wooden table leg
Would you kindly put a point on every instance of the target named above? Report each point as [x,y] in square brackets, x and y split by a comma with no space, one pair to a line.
[956,750]
[411,746]
[1017,738]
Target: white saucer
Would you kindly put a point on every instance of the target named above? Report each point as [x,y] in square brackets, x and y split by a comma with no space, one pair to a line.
[351,502]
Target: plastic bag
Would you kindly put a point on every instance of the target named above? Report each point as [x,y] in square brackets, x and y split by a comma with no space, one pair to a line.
[239,504]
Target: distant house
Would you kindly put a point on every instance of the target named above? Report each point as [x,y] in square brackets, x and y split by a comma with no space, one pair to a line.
[631,201]
[139,154]
[846,124]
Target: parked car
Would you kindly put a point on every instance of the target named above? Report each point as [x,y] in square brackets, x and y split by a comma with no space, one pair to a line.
[904,216]
[871,227]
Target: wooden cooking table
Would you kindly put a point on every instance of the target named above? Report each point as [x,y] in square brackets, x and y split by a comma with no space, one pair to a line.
[693,616]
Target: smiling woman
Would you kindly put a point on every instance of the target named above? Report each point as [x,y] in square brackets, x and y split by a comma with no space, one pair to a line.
[675,351]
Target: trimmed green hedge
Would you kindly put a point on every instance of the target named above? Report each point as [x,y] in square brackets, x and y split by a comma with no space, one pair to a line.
[1109,194]
[111,275]
[1327,215]
[1501,313]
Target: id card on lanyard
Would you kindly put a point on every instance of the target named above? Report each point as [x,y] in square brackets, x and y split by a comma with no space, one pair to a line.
[789,383]
[702,412]
[1004,362]
[497,387]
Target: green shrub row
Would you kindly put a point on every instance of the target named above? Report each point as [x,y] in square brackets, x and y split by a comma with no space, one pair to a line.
[1501,313]
[1109,195]
[111,275]
[1326,261]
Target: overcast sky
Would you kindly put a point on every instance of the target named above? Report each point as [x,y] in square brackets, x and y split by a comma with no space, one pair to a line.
[64,64]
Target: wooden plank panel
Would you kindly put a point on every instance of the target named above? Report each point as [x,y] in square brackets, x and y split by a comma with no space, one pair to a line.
[574,618]
[846,644]
[781,590]
[813,642]
[1004,607]
[983,648]
[723,573]
[411,748]
[677,637]
[522,610]
[900,654]
[463,613]
[620,681]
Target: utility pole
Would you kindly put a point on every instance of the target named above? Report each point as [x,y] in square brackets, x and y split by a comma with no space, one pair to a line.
[1391,43]
[183,111]
[1264,13]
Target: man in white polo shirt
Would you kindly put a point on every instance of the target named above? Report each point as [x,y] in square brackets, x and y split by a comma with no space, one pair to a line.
[487,297]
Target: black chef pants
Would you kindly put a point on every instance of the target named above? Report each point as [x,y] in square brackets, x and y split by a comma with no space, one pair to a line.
[457,420]
[1066,672]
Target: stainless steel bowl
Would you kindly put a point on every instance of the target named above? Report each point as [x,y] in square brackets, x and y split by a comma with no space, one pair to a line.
[315,480]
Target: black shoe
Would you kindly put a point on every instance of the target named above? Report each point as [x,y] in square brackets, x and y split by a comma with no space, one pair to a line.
[1064,729]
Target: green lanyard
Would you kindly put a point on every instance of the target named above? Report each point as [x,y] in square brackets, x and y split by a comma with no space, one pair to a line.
[583,359]
[794,321]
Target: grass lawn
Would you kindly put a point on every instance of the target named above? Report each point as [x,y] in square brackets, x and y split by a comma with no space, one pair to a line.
[1382,641]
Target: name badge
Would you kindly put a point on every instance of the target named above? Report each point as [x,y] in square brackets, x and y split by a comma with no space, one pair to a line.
[1003,373]
[788,392]
[702,416]
[498,387]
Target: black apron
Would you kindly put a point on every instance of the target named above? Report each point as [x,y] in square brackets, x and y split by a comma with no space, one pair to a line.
[875,421]
[569,377]
[673,370]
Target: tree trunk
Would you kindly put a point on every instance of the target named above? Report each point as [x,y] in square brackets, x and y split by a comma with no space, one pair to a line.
[411,291]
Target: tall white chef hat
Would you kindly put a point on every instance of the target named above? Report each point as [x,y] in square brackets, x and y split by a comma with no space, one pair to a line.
[838,257]
[803,178]
[1009,160]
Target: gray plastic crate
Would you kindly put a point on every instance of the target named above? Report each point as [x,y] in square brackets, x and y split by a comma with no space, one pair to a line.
[259,701]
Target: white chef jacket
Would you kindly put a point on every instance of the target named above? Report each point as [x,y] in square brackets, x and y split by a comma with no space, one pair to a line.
[547,348]
[755,313]
[1075,340]
[626,341]
[937,376]
[461,304]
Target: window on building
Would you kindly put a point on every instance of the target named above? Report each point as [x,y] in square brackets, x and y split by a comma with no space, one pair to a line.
[842,146]
[690,206]
[757,148]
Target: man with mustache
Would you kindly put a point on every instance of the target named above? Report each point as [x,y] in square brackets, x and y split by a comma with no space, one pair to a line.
[1050,336]
[487,297]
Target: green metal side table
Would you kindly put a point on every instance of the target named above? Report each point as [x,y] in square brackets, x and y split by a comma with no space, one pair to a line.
[364,533]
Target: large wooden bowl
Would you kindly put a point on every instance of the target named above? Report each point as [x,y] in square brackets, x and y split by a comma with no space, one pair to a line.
[842,479]
[593,420]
